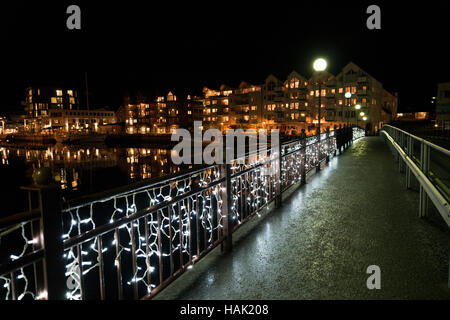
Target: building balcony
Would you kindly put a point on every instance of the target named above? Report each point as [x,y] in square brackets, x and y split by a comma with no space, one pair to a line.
[361,92]
[362,79]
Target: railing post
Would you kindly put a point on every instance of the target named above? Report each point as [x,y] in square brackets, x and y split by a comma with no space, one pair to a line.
[409,151]
[303,175]
[401,164]
[424,166]
[227,204]
[278,177]
[328,143]
[51,228]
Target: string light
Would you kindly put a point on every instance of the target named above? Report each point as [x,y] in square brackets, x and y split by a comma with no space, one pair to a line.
[253,185]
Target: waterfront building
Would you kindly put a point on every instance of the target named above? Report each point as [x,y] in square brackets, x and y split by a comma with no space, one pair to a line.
[79,121]
[443,106]
[292,104]
[161,115]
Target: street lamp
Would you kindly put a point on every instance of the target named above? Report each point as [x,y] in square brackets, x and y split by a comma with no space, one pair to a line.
[319,65]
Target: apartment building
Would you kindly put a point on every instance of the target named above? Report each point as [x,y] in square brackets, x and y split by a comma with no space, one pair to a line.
[443,106]
[161,115]
[292,104]
[40,100]
[229,108]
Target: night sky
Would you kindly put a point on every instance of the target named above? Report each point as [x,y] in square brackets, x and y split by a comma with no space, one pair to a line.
[129,46]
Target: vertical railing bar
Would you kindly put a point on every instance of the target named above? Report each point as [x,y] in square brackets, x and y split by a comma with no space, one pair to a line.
[100,268]
[80,266]
[160,252]
[118,263]
[197,207]
[133,260]
[240,187]
[205,244]
[188,203]
[218,214]
[180,233]
[170,239]
[147,253]
[13,286]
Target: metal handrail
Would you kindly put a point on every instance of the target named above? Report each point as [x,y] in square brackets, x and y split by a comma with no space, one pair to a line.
[432,145]
[427,188]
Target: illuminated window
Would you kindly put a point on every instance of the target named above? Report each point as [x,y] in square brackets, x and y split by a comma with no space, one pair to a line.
[324,92]
[59,93]
[353,90]
[246,118]
[253,108]
[333,91]
[70,93]
[364,88]
[311,93]
[302,114]
[317,93]
[292,116]
[225,102]
[341,90]
[364,100]
[189,112]
[340,102]
[296,105]
[171,97]
[53,99]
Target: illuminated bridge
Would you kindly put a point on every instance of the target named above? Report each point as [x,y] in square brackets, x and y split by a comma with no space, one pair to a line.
[305,227]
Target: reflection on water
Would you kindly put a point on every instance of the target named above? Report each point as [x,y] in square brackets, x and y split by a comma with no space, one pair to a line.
[80,170]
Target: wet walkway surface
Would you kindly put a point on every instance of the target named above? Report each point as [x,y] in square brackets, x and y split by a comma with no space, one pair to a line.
[353,214]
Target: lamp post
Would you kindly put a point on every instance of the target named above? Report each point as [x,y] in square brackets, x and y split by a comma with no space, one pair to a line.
[319,66]
[348,96]
[357,107]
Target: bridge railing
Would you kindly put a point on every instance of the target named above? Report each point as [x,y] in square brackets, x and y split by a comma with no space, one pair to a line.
[132,242]
[429,163]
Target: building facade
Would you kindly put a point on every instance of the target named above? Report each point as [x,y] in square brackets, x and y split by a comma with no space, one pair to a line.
[162,115]
[40,100]
[78,120]
[443,106]
[292,105]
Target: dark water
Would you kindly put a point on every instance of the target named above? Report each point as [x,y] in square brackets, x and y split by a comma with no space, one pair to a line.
[78,170]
